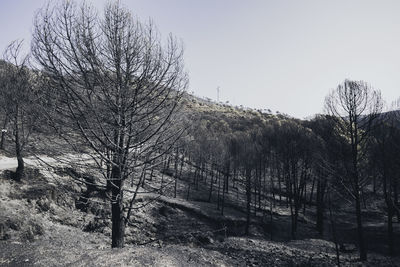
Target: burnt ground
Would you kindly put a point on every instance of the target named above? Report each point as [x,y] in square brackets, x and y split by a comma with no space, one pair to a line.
[40,225]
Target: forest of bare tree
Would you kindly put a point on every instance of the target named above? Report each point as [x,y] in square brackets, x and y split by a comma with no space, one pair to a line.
[108,141]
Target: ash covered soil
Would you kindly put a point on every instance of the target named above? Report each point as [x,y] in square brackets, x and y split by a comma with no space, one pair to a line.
[41,224]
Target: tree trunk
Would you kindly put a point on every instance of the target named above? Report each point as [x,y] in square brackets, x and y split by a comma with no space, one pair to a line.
[357,189]
[294,211]
[176,172]
[248,198]
[188,192]
[374,183]
[320,207]
[219,190]
[181,167]
[211,184]
[227,180]
[361,244]
[151,174]
[205,173]
[3,133]
[117,205]
[223,193]
[387,190]
[162,175]
[143,175]
[117,214]
[271,219]
[234,176]
[390,231]
[176,162]
[19,173]
[294,223]
[334,235]
[272,186]
[312,191]
[109,170]
[279,184]
[396,198]
[175,186]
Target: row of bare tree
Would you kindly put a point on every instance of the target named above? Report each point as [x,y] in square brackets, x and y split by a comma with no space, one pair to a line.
[341,155]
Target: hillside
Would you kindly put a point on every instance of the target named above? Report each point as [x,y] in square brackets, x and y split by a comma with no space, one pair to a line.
[59,214]
[43,222]
[107,160]
[40,226]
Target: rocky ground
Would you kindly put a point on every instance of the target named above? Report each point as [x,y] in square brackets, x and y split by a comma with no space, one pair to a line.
[40,225]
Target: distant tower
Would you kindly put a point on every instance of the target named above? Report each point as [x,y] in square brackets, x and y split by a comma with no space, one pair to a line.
[218,94]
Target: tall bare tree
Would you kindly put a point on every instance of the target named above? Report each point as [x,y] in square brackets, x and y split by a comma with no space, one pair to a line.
[355,106]
[117,87]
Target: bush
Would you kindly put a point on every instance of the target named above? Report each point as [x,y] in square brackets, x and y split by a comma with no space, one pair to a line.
[37,229]
[43,205]
[27,235]
[96,225]
[13,223]
[4,235]
[31,230]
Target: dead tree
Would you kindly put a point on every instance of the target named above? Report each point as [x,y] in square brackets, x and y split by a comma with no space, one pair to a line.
[355,106]
[117,89]
[20,93]
[384,155]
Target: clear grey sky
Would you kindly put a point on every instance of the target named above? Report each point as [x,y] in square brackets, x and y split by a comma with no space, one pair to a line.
[275,54]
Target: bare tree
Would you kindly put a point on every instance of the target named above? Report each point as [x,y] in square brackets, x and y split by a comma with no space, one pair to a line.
[355,106]
[3,103]
[386,163]
[117,87]
[20,93]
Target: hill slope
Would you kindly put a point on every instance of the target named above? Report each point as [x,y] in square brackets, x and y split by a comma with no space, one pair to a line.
[41,226]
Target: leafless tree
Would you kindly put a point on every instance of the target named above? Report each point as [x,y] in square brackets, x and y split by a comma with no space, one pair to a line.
[384,154]
[3,104]
[355,106]
[116,87]
[19,93]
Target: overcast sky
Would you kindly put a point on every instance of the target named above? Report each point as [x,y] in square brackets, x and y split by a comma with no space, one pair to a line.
[280,55]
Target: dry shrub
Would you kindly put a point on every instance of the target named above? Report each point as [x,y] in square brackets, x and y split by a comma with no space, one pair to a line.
[31,229]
